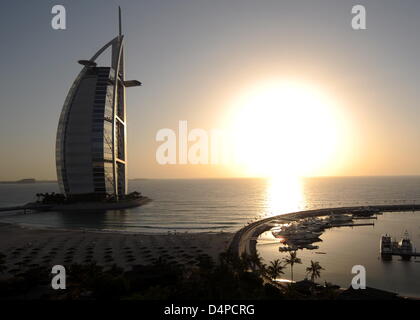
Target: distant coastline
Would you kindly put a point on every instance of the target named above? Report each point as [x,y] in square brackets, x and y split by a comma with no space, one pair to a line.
[32,180]
[27,181]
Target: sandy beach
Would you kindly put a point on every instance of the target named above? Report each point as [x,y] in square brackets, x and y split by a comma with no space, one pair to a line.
[26,247]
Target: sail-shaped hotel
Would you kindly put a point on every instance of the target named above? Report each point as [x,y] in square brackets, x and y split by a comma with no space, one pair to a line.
[91,147]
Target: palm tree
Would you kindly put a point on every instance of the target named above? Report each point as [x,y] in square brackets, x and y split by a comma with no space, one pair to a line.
[263,269]
[275,269]
[314,270]
[291,260]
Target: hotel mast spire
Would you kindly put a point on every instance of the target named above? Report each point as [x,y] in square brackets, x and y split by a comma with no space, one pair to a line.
[119,22]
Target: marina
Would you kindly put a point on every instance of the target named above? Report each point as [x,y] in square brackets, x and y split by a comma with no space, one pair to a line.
[341,248]
[302,233]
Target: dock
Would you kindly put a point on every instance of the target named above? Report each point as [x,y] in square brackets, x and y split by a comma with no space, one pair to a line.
[364,218]
[350,225]
[401,254]
[413,254]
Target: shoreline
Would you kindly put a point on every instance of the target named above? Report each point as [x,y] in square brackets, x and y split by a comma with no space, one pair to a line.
[171,231]
[26,247]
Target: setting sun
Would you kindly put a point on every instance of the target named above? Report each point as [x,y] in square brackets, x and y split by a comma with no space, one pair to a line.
[286,129]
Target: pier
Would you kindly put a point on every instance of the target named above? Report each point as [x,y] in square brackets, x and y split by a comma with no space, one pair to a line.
[401,254]
[413,254]
[350,225]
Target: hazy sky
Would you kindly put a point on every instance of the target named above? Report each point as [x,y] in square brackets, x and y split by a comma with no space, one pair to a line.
[195,57]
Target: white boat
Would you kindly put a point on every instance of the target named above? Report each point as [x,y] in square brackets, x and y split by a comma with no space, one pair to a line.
[310,222]
[285,231]
[339,218]
[303,235]
[308,228]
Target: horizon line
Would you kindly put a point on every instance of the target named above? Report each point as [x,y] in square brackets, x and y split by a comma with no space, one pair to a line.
[233,177]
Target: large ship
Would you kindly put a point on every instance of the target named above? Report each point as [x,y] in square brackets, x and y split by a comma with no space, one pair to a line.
[386,247]
[403,248]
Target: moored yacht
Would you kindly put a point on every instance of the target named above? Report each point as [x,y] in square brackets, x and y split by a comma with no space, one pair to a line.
[335,218]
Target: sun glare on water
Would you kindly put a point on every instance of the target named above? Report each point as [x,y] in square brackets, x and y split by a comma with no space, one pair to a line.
[285,130]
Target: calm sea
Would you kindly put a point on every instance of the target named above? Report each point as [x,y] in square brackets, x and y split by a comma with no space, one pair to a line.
[212,205]
[203,205]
